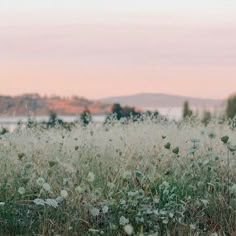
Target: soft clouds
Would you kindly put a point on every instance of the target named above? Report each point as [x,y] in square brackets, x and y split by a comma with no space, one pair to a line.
[121,45]
[135,46]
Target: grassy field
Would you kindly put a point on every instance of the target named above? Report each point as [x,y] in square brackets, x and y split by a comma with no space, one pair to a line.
[143,178]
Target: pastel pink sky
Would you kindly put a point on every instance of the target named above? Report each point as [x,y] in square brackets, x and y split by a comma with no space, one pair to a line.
[85,52]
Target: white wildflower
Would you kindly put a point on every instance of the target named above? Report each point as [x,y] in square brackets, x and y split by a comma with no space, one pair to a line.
[67,181]
[47,187]
[79,189]
[110,185]
[128,229]
[233,189]
[105,209]
[21,190]
[64,193]
[94,211]
[123,220]
[205,202]
[40,181]
[52,203]
[39,201]
[59,199]
[91,177]
[127,175]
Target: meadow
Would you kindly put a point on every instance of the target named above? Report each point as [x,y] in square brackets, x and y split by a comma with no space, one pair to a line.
[151,177]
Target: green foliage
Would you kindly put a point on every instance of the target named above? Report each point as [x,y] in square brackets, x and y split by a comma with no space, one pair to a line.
[126,112]
[3,131]
[231,107]
[53,120]
[206,117]
[86,117]
[187,112]
[144,178]
[31,123]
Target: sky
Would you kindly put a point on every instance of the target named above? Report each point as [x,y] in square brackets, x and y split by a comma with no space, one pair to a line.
[101,48]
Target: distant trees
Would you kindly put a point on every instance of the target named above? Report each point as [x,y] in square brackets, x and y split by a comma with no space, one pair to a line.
[231,107]
[207,116]
[127,113]
[3,131]
[187,112]
[85,117]
[124,112]
[117,110]
[53,119]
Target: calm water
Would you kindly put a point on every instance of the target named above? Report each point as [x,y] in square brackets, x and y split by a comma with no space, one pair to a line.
[11,122]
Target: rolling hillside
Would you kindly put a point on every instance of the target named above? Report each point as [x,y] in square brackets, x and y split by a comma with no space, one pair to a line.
[33,104]
[148,100]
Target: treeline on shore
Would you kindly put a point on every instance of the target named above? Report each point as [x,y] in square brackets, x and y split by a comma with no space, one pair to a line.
[126,114]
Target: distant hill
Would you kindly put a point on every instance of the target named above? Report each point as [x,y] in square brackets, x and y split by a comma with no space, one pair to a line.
[33,104]
[152,100]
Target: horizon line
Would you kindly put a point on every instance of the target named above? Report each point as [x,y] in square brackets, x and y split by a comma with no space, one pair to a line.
[115,96]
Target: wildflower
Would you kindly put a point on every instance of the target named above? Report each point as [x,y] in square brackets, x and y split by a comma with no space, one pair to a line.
[47,187]
[205,202]
[52,203]
[225,139]
[2,203]
[233,189]
[21,190]
[113,227]
[211,135]
[165,184]
[39,201]
[167,145]
[28,165]
[67,181]
[40,181]
[20,156]
[123,220]
[60,199]
[132,194]
[165,221]
[25,180]
[105,209]
[97,194]
[94,211]
[232,148]
[64,193]
[139,174]
[176,150]
[195,140]
[91,177]
[129,229]
[52,163]
[122,202]
[192,226]
[127,175]
[110,185]
[79,189]
[156,212]
[156,199]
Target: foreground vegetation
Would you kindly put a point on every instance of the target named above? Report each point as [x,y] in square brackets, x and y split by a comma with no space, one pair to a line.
[151,177]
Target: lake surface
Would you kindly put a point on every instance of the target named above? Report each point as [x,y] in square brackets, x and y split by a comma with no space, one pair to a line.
[11,122]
